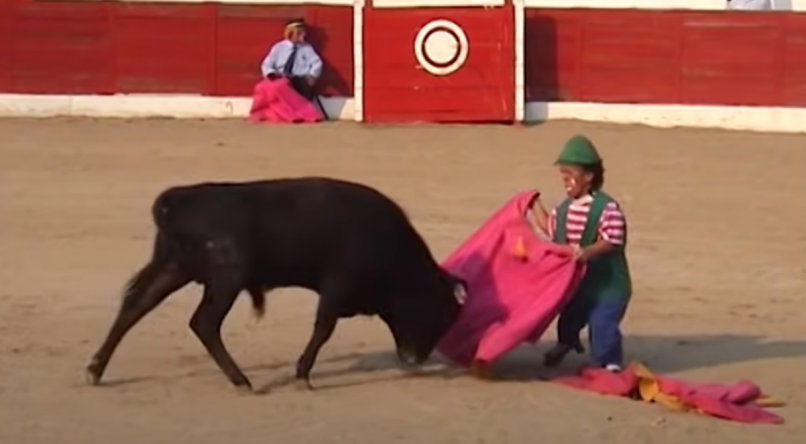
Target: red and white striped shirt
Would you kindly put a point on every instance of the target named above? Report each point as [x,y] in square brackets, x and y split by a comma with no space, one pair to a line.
[611,227]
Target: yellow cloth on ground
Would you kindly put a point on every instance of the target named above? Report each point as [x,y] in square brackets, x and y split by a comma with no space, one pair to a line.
[649,391]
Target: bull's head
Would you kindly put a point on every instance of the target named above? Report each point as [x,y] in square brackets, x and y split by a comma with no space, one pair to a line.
[421,320]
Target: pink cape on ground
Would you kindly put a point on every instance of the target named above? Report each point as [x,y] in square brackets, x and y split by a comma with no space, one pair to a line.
[516,283]
[738,402]
[276,101]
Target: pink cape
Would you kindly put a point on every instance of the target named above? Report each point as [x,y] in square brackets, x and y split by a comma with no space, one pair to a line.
[276,101]
[516,283]
[516,287]
[736,402]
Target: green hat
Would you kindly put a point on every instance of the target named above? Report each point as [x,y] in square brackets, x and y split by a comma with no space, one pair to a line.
[578,151]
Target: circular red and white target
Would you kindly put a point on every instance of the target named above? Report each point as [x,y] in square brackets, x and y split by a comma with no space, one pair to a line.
[441,47]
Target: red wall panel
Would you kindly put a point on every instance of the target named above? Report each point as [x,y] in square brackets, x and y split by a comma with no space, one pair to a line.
[625,63]
[397,89]
[6,22]
[163,48]
[793,79]
[687,57]
[332,35]
[552,41]
[59,48]
[730,59]
[84,47]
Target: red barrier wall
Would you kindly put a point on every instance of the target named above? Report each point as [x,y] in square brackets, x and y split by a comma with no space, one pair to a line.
[581,55]
[205,48]
[686,57]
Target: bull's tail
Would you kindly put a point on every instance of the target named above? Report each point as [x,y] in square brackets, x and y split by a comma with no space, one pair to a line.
[138,283]
[258,301]
[165,250]
[160,256]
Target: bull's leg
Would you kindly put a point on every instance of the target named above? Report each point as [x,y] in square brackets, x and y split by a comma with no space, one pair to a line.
[480,369]
[206,324]
[326,319]
[137,303]
[399,346]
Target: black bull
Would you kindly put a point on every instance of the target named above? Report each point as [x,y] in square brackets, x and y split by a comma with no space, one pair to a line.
[347,242]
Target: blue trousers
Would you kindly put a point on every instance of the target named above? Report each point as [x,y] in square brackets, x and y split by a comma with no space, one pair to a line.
[603,319]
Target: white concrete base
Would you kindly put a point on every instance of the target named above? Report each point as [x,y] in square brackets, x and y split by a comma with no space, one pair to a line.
[147,105]
[767,119]
[788,120]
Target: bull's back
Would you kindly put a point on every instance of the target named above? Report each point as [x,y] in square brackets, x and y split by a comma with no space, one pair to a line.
[299,230]
[334,217]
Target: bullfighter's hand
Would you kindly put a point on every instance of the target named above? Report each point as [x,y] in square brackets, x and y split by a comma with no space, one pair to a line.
[576,253]
[310,80]
[535,201]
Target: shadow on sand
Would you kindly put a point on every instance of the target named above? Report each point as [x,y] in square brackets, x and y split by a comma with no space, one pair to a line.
[664,354]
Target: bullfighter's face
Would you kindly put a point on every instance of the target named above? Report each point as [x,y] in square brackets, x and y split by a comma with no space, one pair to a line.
[576,180]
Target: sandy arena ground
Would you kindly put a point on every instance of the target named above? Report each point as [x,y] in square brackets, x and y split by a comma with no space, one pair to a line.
[717,248]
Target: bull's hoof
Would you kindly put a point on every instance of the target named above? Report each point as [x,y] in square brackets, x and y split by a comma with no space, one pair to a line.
[406,366]
[480,370]
[303,385]
[91,377]
[92,374]
[244,389]
[413,371]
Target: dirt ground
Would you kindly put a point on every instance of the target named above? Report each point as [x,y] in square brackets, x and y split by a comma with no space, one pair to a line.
[718,230]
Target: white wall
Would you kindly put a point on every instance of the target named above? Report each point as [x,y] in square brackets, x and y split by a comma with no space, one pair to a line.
[796,5]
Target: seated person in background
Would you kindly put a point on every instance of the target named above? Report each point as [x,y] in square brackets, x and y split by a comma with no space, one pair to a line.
[290,71]
[294,59]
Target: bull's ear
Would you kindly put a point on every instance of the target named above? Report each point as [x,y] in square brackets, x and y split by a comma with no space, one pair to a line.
[460,292]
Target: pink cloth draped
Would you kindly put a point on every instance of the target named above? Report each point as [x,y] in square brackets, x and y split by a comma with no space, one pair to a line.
[276,101]
[735,402]
[516,283]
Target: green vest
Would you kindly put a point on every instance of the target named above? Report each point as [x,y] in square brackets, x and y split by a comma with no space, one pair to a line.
[607,276]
